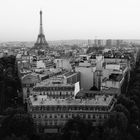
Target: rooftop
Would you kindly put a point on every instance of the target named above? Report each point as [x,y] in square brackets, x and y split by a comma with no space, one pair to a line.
[69,74]
[29,74]
[115,77]
[116,66]
[52,83]
[109,91]
[98,100]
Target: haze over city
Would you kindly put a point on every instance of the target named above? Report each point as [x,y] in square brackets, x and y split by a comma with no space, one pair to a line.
[70,70]
[70,19]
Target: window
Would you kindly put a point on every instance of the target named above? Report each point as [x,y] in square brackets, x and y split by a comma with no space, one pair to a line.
[47,108]
[50,122]
[84,116]
[61,115]
[105,116]
[52,108]
[72,115]
[66,93]
[38,123]
[88,116]
[97,116]
[46,123]
[55,122]
[64,108]
[66,115]
[91,108]
[55,116]
[80,107]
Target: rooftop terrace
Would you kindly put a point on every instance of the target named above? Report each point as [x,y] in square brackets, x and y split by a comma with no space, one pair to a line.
[98,100]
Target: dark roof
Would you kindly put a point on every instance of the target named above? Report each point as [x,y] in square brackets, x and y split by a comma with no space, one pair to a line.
[69,73]
[110,91]
[116,77]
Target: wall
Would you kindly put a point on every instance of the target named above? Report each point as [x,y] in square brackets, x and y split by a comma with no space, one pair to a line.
[86,77]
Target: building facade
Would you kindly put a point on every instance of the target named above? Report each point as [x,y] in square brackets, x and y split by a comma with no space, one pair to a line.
[51,114]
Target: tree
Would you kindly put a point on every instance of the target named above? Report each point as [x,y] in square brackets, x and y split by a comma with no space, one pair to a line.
[76,129]
[10,83]
[136,99]
[122,108]
[18,124]
[134,131]
[134,91]
[115,127]
[13,137]
[126,101]
[135,114]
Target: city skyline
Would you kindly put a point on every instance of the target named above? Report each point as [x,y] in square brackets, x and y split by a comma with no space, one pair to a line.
[66,20]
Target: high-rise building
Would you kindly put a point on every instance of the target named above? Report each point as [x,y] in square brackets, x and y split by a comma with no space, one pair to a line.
[108,42]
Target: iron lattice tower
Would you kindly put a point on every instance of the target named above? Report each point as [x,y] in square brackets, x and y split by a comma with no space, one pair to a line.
[41,42]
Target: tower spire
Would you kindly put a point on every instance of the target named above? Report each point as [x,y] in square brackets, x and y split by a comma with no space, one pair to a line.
[41,26]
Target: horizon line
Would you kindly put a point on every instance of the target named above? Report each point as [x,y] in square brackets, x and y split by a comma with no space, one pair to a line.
[72,39]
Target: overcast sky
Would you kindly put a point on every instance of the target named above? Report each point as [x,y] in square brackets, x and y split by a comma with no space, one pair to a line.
[69,19]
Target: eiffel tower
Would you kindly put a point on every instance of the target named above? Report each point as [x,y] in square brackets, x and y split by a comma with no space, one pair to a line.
[41,43]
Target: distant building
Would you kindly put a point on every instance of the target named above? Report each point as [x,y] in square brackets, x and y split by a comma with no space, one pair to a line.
[112,42]
[41,45]
[63,63]
[99,42]
[108,42]
[119,42]
[90,44]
